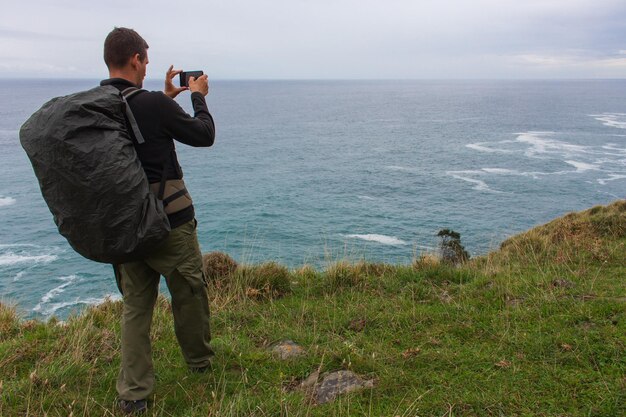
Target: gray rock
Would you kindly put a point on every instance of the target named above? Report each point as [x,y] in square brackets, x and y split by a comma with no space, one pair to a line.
[337,383]
[287,349]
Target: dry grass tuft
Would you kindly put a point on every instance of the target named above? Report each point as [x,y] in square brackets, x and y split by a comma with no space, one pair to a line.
[426,261]
[373,269]
[341,275]
[306,272]
[567,238]
[9,322]
[218,265]
[267,280]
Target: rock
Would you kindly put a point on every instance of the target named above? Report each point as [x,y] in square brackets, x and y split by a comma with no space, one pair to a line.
[287,349]
[340,382]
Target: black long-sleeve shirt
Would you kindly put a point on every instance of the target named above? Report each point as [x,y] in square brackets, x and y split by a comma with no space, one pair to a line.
[161,121]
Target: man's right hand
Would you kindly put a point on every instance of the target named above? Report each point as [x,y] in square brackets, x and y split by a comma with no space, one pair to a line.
[199,85]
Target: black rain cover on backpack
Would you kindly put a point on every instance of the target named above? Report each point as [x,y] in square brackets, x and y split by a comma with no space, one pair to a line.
[91,178]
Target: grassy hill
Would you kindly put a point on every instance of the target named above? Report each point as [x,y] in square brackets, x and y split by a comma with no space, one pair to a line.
[535,328]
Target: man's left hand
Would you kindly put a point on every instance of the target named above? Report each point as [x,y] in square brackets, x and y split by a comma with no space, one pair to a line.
[170,89]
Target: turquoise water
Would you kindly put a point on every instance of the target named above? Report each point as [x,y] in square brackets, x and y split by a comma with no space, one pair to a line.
[312,171]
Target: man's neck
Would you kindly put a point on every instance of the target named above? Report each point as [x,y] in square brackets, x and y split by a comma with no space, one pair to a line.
[125,75]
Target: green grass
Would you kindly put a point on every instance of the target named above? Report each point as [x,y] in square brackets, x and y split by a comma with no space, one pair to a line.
[537,328]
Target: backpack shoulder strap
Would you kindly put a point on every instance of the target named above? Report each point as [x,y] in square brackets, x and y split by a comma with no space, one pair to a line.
[126,95]
[131,91]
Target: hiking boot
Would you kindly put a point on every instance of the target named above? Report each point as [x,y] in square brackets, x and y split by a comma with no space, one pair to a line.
[133,407]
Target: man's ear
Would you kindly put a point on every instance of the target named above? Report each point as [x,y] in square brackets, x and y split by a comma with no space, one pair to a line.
[135,61]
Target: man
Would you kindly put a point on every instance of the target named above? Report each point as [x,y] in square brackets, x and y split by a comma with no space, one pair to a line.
[161,121]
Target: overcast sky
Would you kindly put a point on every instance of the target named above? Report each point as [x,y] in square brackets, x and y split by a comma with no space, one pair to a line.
[341,39]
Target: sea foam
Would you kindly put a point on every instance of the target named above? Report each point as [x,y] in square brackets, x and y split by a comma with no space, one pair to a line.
[385,240]
[67,281]
[582,166]
[10,258]
[479,185]
[7,201]
[539,145]
[609,158]
[617,120]
[26,253]
[52,308]
[612,177]
[486,147]
[506,171]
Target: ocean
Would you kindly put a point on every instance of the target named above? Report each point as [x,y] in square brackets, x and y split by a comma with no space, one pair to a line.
[310,172]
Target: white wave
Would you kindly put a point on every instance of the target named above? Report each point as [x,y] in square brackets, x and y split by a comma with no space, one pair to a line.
[52,308]
[482,147]
[500,171]
[17,245]
[612,177]
[504,171]
[614,147]
[18,276]
[67,281]
[10,258]
[582,166]
[617,120]
[539,145]
[473,176]
[479,185]
[385,240]
[542,145]
[365,197]
[7,201]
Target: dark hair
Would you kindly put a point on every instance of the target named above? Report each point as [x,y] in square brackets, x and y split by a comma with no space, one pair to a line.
[121,45]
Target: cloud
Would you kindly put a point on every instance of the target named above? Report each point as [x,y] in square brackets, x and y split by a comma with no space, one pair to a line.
[39,36]
[329,38]
[559,61]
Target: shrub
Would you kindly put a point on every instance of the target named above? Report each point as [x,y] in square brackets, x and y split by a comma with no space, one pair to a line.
[267,280]
[306,272]
[425,261]
[9,322]
[342,275]
[373,269]
[452,251]
[218,265]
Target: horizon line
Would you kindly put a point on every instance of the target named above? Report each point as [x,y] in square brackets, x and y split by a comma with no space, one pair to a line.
[344,79]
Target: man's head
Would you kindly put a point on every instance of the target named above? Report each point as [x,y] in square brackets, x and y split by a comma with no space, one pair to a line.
[126,55]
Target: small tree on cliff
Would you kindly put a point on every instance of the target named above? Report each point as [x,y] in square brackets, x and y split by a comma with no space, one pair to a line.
[452,251]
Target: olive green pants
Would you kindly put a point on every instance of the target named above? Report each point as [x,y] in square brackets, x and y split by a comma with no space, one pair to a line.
[179,260]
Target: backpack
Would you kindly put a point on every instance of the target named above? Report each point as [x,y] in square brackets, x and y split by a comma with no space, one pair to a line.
[83,155]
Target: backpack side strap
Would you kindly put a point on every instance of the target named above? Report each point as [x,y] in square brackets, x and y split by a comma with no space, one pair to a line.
[126,95]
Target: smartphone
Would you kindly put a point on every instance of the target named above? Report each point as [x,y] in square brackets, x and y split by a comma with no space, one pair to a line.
[184,77]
